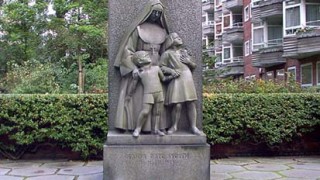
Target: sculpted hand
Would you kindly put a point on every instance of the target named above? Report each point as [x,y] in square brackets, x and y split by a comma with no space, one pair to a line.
[184,59]
[176,74]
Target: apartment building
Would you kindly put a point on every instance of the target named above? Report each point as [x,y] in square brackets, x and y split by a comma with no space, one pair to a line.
[268,39]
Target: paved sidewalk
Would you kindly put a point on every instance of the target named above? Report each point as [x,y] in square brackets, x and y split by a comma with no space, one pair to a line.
[289,168]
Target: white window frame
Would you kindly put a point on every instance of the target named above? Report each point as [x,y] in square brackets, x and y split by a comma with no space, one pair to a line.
[263,26]
[280,73]
[255,3]
[295,71]
[303,18]
[231,54]
[247,48]
[230,22]
[215,33]
[246,14]
[303,65]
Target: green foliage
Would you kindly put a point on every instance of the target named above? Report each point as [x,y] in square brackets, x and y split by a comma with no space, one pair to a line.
[73,121]
[259,118]
[253,86]
[31,77]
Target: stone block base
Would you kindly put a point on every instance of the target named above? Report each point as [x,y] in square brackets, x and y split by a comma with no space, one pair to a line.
[156,162]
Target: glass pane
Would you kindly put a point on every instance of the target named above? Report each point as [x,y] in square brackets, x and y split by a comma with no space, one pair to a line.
[258,36]
[313,15]
[292,74]
[293,16]
[226,21]
[306,74]
[226,53]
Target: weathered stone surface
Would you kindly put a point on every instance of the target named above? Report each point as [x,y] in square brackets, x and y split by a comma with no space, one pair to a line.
[17,164]
[145,162]
[3,171]
[309,166]
[220,176]
[275,160]
[10,178]
[301,174]
[52,177]
[81,170]
[94,163]
[235,161]
[184,18]
[266,167]
[60,165]
[225,168]
[36,171]
[145,139]
[254,175]
[91,177]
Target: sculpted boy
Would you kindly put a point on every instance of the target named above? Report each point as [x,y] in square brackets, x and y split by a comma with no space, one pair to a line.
[150,77]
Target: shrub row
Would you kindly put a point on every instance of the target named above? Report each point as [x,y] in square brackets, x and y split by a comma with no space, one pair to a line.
[78,122]
[259,118]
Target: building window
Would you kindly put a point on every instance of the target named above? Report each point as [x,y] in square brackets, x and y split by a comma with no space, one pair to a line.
[246,13]
[218,29]
[318,73]
[247,48]
[292,74]
[306,75]
[258,36]
[280,75]
[255,3]
[226,21]
[313,14]
[226,54]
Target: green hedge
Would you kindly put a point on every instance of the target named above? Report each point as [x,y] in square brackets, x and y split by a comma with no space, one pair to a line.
[78,122]
[260,118]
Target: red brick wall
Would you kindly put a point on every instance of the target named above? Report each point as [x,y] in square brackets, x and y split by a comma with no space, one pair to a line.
[248,69]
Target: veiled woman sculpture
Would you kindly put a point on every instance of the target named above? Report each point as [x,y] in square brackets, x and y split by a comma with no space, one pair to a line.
[146,33]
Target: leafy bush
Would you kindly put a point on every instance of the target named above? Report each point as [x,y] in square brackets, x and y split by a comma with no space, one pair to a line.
[78,122]
[253,86]
[259,118]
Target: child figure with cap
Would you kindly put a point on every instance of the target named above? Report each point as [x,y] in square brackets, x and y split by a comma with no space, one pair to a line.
[153,98]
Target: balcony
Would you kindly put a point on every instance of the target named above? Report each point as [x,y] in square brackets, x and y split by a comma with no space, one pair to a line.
[234,35]
[269,55]
[209,50]
[256,14]
[208,5]
[304,44]
[233,68]
[218,15]
[208,28]
[271,9]
[234,5]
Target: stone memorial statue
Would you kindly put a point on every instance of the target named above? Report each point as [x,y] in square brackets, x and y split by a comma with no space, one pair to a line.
[176,60]
[150,77]
[154,86]
[146,33]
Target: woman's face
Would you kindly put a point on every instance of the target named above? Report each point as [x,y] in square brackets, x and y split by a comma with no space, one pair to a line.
[155,15]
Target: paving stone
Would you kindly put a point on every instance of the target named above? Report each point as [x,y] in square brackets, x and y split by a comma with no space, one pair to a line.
[225,168]
[275,160]
[235,161]
[309,166]
[312,159]
[91,177]
[220,176]
[84,170]
[60,165]
[37,171]
[255,175]
[301,173]
[94,163]
[52,177]
[267,167]
[3,171]
[17,164]
[10,178]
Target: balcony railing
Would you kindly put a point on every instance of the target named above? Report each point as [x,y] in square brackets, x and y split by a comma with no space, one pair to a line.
[208,5]
[234,4]
[231,60]
[313,23]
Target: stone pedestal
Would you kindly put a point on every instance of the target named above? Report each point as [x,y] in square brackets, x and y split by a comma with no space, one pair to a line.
[157,162]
